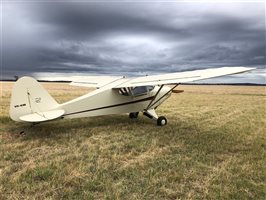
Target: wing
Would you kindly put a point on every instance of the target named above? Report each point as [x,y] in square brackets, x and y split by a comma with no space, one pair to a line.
[182,77]
[171,78]
[94,81]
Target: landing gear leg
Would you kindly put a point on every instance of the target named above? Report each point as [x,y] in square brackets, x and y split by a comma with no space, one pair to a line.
[161,121]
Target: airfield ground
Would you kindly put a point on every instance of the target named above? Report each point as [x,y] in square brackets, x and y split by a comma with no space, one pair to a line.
[212,148]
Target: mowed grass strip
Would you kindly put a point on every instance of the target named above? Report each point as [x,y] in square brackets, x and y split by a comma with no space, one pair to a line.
[212,148]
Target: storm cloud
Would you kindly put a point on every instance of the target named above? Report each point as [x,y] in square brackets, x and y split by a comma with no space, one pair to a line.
[130,38]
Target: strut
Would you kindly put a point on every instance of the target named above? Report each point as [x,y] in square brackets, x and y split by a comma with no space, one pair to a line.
[153,102]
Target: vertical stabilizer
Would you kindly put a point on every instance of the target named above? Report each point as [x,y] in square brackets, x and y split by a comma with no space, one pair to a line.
[29,97]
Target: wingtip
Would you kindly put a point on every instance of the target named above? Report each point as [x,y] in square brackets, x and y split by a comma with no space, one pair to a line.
[249,68]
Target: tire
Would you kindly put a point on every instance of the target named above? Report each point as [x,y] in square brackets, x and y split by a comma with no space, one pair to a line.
[161,121]
[133,115]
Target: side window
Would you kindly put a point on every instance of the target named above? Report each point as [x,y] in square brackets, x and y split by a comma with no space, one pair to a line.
[142,90]
[136,91]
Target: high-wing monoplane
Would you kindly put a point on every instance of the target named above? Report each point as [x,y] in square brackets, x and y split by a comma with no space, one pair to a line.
[30,102]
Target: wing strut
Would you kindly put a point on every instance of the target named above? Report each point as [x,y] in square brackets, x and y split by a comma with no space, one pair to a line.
[152,101]
[154,97]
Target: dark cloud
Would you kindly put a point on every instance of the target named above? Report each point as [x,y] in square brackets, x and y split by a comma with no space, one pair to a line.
[130,38]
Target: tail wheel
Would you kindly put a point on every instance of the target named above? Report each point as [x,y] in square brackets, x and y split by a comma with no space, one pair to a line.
[161,121]
[133,115]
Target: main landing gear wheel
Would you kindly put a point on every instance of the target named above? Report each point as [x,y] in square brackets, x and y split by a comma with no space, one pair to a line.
[133,115]
[161,121]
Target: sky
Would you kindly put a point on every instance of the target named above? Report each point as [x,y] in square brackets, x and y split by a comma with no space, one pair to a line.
[64,38]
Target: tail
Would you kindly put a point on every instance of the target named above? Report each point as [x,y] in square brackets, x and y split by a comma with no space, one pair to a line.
[30,102]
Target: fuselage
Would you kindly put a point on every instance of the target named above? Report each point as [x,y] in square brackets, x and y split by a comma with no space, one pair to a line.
[106,101]
[30,102]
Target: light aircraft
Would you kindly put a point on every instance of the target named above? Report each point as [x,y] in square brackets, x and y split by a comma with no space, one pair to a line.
[30,102]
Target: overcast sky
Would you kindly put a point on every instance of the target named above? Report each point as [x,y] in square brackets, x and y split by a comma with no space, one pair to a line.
[65,38]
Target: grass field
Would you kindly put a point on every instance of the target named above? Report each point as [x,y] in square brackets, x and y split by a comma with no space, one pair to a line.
[212,148]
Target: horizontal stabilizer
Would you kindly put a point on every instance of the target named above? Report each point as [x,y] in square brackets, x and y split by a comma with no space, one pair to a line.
[42,116]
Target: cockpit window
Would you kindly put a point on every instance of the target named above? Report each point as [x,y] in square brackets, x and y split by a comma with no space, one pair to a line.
[139,90]
[136,91]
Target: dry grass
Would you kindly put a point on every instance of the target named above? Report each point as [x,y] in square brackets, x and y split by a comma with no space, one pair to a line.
[212,148]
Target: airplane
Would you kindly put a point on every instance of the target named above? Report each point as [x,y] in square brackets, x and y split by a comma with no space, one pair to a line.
[30,102]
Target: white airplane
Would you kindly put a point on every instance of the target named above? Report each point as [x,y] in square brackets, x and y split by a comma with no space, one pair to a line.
[30,102]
